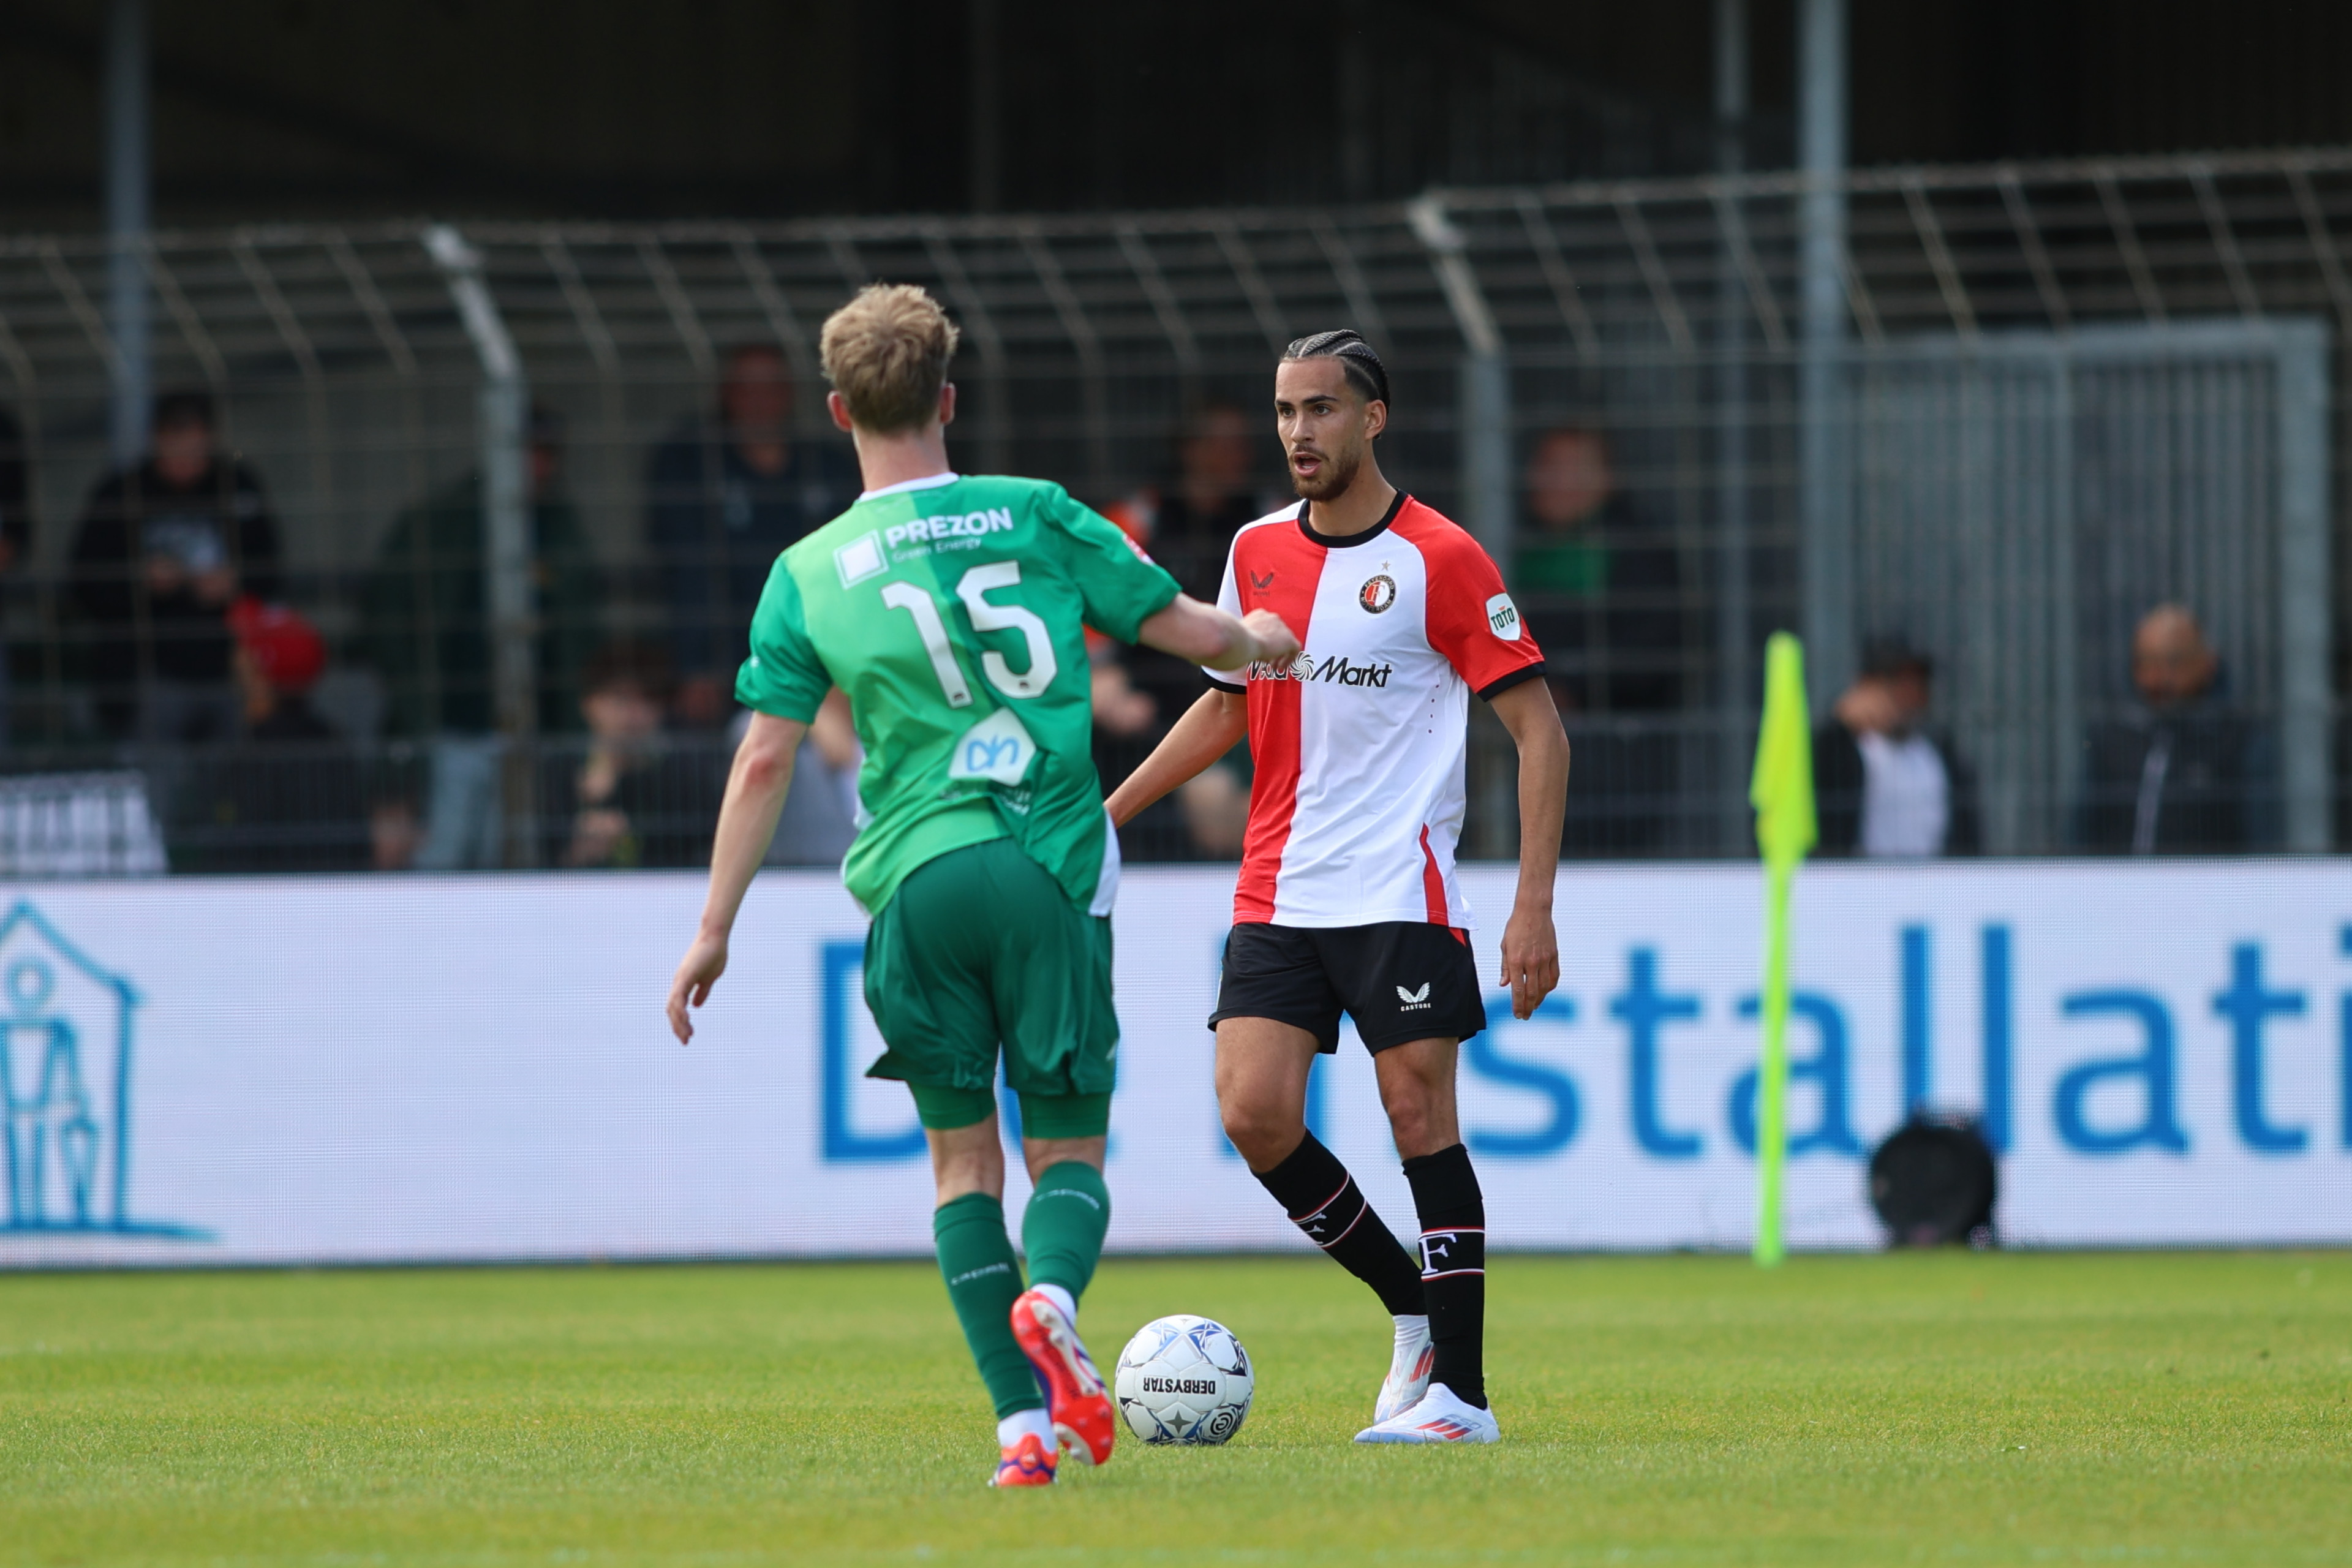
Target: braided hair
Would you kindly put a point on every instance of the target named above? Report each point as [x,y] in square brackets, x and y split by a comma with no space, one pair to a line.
[1361,365]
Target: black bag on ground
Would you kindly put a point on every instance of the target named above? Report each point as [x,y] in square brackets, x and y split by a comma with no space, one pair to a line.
[1934,1182]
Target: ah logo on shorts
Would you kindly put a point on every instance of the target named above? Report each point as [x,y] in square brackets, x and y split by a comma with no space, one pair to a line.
[1414,1001]
[997,749]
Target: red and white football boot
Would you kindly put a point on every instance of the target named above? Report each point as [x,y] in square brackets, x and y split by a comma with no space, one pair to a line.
[1075,1396]
[1028,1463]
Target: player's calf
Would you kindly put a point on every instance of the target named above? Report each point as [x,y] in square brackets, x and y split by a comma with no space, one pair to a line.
[1453,1267]
[1324,1202]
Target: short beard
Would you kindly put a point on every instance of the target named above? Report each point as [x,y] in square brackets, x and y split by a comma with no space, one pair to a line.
[1332,482]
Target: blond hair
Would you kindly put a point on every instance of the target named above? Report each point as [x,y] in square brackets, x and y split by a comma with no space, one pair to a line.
[887,354]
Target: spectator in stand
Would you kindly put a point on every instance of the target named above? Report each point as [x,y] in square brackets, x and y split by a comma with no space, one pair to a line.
[15,529]
[2184,771]
[632,798]
[1188,525]
[426,629]
[286,797]
[162,551]
[1599,586]
[725,494]
[1889,787]
[1598,583]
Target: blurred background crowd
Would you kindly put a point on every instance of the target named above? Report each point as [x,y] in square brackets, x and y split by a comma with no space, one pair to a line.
[190,665]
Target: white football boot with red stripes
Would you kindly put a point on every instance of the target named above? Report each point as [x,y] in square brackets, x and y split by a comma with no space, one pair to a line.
[1408,1377]
[1438,1418]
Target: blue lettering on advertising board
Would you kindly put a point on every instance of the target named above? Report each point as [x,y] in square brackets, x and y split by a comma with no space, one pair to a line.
[1997,1031]
[2344,1049]
[1484,1055]
[1641,1007]
[2159,1124]
[838,960]
[2248,1006]
[2105,1106]
[1826,1068]
[1918,978]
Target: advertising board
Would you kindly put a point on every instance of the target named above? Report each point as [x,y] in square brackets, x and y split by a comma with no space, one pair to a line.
[421,1069]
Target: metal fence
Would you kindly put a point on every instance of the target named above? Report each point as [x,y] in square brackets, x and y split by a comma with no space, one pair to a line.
[2020,503]
[2017,355]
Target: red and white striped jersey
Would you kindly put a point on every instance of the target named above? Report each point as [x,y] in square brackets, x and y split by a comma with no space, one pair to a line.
[1359,746]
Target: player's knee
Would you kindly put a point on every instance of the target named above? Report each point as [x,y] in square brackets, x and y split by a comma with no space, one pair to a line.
[1042,1154]
[1412,1104]
[1264,1133]
[1410,1125]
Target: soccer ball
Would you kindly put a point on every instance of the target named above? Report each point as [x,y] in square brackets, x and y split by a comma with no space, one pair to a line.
[1185,1379]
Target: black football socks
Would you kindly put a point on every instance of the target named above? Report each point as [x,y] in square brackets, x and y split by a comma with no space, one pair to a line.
[1452,1268]
[1323,1200]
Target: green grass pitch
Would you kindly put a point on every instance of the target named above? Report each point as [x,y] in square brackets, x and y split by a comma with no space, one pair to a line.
[2016,1408]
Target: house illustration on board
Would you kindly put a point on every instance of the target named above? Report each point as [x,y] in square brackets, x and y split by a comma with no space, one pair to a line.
[65,1026]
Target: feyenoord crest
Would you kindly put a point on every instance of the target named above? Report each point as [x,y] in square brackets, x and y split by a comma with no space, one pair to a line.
[1377,594]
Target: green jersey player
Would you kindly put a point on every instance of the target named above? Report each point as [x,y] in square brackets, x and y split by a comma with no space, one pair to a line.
[952,612]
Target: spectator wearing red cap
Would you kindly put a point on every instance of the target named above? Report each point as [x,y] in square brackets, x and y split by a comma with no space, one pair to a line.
[279,657]
[286,797]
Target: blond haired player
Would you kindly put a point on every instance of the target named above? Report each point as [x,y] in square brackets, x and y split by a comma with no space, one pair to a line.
[951,610]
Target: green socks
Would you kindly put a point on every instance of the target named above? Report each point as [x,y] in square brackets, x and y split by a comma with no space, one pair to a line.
[1063,1230]
[976,1259]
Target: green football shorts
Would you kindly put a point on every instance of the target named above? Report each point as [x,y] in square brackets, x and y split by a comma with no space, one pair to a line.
[977,948]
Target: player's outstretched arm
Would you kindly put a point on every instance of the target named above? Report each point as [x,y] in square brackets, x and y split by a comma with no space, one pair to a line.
[1208,729]
[1204,634]
[1200,633]
[756,785]
[1530,944]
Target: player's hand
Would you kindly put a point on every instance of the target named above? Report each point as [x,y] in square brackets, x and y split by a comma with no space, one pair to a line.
[697,972]
[1276,645]
[1530,959]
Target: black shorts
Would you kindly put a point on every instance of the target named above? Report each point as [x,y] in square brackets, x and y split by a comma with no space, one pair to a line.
[1399,980]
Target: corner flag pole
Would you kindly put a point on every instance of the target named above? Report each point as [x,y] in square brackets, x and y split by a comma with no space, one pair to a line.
[1783,795]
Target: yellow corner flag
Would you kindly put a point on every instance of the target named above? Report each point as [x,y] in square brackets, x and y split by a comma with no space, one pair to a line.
[1782,794]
